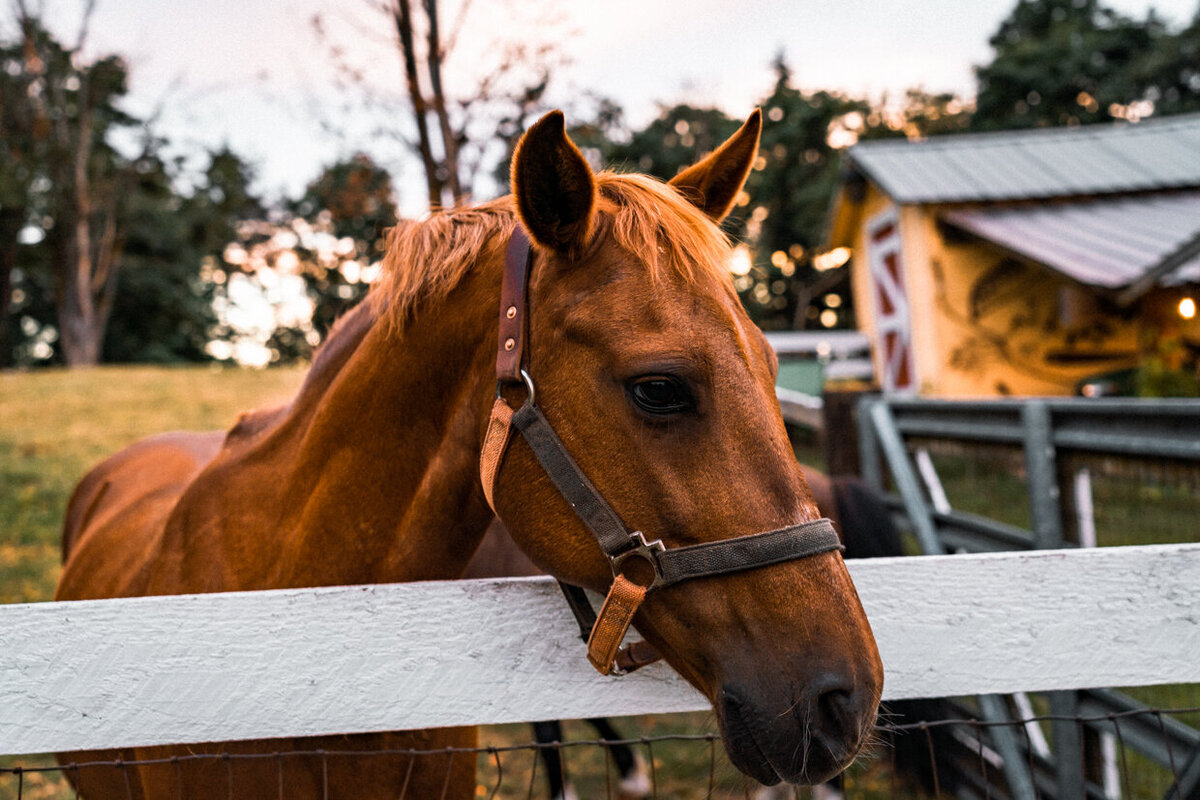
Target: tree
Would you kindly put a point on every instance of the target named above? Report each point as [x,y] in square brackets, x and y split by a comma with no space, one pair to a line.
[163,309]
[60,129]
[790,193]
[1171,71]
[454,135]
[1068,62]
[355,197]
[18,173]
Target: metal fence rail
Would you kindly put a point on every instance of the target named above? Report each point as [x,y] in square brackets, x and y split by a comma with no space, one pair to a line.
[1041,460]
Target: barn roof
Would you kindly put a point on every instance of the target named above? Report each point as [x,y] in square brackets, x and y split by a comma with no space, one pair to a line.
[1108,242]
[1155,154]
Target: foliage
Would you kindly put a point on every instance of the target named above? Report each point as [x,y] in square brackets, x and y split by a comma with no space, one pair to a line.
[163,310]
[355,198]
[789,192]
[1069,62]
[1168,370]
[79,181]
[101,252]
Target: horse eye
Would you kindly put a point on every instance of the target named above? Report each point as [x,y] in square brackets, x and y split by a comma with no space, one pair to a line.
[661,395]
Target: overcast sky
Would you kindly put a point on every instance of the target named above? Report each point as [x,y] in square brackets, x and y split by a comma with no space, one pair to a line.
[252,73]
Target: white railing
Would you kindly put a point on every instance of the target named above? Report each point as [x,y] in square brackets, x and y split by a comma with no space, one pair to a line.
[219,667]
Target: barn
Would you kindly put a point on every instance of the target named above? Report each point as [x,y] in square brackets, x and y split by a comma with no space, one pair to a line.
[1026,263]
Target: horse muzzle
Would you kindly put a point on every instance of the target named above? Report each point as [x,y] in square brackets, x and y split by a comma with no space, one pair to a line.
[806,741]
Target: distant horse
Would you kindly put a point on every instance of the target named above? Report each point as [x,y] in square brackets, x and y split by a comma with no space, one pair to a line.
[867,531]
[646,370]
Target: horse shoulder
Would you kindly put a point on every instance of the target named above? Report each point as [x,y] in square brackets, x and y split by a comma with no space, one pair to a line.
[116,516]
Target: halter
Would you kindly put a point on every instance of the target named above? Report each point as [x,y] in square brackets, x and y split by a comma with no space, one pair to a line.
[604,632]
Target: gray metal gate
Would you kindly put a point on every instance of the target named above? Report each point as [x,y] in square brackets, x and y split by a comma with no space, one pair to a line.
[1041,459]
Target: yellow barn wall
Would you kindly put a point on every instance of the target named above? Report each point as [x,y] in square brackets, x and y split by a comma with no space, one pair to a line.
[980,329]
[993,325]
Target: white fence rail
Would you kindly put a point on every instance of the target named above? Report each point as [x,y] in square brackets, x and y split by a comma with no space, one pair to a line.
[365,658]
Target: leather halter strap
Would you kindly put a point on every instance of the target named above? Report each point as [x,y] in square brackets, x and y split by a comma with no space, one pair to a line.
[605,632]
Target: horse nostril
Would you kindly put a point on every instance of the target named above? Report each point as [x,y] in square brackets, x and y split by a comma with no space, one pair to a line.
[836,715]
[840,711]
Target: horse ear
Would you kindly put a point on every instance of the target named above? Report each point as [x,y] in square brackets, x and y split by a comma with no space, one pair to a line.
[553,186]
[713,184]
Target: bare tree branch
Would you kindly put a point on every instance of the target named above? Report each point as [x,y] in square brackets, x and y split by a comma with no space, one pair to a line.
[452,39]
[84,24]
[402,15]
[434,61]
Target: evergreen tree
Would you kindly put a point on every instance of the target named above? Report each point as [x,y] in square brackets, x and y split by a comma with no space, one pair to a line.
[1069,62]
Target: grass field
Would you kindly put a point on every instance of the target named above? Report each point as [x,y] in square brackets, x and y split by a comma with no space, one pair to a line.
[55,425]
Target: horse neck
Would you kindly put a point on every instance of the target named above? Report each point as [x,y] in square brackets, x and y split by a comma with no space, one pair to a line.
[372,474]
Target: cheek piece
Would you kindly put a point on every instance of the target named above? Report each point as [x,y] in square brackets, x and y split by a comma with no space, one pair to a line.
[605,631]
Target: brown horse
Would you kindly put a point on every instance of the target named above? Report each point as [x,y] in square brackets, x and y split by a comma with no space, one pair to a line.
[654,378]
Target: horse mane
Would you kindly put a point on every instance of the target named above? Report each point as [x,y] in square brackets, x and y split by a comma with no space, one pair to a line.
[340,344]
[426,259]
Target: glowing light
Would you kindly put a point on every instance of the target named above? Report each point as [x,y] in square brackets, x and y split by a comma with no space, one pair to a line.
[778,259]
[235,254]
[739,261]
[287,262]
[1187,308]
[371,273]
[829,318]
[832,259]
[833,300]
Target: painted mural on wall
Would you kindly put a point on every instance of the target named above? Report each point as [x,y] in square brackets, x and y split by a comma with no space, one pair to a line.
[1019,328]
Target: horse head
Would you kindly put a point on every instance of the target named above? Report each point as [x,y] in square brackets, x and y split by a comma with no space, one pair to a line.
[662,390]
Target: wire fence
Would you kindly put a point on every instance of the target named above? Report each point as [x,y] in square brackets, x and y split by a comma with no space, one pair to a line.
[956,756]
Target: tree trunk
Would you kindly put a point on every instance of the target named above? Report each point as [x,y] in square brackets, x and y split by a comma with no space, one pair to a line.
[449,143]
[11,222]
[87,263]
[402,14]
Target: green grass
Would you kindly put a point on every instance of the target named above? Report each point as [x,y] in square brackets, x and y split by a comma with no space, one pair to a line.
[55,425]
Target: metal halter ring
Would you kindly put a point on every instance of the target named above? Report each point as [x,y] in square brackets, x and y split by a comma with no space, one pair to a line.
[528,379]
[644,550]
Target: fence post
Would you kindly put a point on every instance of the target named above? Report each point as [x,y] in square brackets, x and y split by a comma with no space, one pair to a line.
[1187,784]
[1020,779]
[1041,476]
[1068,746]
[840,439]
[888,436]
[868,444]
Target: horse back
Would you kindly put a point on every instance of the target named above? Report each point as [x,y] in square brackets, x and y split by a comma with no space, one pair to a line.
[116,516]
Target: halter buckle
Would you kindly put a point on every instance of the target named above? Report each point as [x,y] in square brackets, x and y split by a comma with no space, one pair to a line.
[641,549]
[529,387]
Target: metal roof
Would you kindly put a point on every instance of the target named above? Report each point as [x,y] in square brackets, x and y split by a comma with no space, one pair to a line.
[1106,242]
[1046,162]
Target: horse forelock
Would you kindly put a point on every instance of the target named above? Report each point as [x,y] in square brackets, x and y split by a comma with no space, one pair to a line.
[426,259]
[668,233]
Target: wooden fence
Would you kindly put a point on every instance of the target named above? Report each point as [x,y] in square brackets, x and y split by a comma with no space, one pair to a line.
[196,668]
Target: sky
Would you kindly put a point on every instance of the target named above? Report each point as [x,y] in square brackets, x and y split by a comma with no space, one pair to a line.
[253,74]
